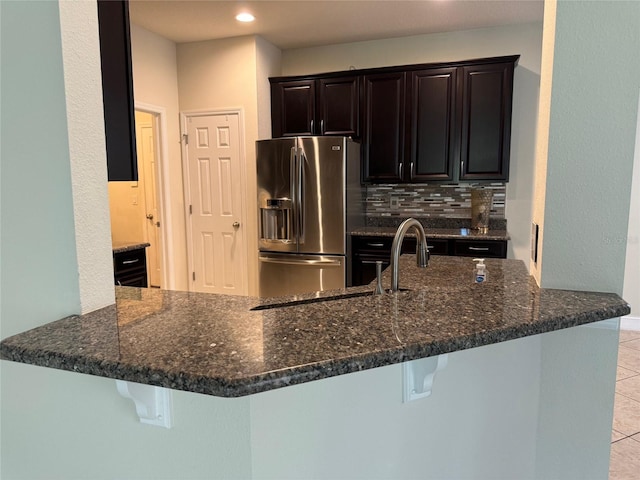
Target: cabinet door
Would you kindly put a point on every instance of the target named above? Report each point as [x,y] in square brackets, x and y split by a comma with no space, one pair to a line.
[117,90]
[486,121]
[338,107]
[292,108]
[432,105]
[383,143]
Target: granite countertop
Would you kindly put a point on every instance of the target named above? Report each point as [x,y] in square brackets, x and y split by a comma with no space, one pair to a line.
[218,345]
[445,233]
[121,247]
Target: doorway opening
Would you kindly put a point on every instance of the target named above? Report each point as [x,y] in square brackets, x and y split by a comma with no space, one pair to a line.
[153,193]
[146,139]
[138,208]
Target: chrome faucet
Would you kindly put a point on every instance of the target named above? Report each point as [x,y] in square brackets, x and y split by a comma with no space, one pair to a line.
[422,252]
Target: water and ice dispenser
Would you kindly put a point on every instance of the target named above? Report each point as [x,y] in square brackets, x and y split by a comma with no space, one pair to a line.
[275,220]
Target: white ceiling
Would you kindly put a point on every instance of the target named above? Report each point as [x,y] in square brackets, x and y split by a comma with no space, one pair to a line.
[296,24]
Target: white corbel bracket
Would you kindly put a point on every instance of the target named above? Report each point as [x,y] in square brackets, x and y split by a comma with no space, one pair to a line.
[418,376]
[153,404]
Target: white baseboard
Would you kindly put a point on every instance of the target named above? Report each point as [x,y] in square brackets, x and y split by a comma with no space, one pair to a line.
[630,323]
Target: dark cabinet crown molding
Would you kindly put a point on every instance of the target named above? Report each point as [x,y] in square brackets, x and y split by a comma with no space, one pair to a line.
[404,68]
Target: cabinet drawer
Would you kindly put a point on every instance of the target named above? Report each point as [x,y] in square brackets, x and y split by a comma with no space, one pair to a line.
[438,246]
[479,248]
[371,244]
[127,261]
[130,268]
[135,279]
[381,245]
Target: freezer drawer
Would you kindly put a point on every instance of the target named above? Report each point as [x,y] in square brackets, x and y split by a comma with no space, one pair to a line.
[291,274]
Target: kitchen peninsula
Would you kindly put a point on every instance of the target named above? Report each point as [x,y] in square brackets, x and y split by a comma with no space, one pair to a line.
[513,360]
[232,346]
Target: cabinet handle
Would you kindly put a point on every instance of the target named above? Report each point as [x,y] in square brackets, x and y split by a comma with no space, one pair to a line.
[411,170]
[312,127]
[285,261]
[479,249]
[400,170]
[322,127]
[128,262]
[375,244]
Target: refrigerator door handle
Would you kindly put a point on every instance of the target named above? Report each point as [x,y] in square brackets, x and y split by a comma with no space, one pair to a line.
[288,261]
[293,167]
[301,162]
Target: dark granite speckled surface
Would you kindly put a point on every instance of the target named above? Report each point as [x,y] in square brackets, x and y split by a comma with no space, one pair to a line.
[121,247]
[393,221]
[456,233]
[217,345]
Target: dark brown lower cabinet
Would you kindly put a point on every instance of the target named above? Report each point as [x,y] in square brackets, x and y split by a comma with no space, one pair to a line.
[130,268]
[367,250]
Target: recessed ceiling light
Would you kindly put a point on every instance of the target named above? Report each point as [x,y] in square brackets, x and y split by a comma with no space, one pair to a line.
[245,17]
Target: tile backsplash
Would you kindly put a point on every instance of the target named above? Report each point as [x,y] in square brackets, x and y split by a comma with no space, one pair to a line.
[429,200]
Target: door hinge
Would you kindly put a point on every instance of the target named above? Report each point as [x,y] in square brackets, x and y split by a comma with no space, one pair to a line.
[190,209]
[185,138]
[193,275]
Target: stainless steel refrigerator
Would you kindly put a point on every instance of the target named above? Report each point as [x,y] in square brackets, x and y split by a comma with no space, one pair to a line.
[309,196]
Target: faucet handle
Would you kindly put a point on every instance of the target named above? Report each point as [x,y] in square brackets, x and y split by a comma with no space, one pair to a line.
[422,254]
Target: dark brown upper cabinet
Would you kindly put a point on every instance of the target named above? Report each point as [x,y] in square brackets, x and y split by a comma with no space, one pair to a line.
[433,134]
[458,124]
[445,122]
[384,135]
[325,106]
[485,142]
[293,108]
[338,106]
[117,90]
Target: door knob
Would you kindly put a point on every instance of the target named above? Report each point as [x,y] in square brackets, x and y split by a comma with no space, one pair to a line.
[150,216]
[236,224]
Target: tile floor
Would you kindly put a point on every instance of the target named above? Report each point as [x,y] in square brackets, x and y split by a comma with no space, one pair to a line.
[625,437]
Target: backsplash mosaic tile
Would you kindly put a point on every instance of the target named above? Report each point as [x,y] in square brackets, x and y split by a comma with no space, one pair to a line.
[429,200]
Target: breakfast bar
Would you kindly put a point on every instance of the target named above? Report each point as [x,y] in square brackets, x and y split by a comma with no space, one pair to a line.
[445,378]
[232,346]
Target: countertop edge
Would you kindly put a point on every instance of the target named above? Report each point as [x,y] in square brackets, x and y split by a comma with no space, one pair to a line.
[435,233]
[123,247]
[249,385]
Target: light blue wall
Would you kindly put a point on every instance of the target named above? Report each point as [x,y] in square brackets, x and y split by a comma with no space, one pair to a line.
[39,274]
[594,106]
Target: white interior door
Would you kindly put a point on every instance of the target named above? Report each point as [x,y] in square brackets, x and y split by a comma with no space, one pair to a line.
[214,183]
[147,169]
